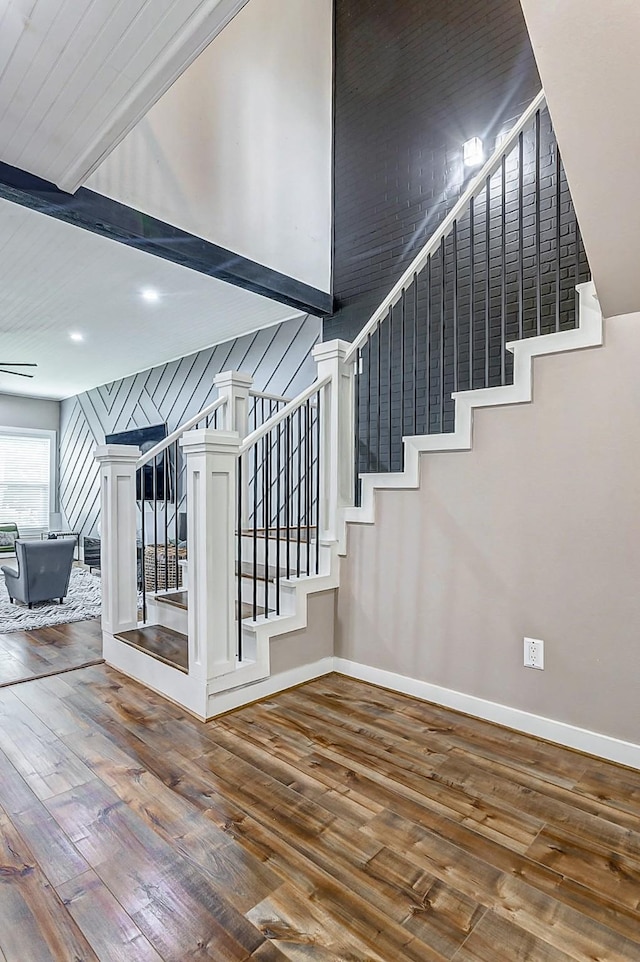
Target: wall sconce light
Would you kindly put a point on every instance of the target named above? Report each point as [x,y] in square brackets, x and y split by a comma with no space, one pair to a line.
[472,152]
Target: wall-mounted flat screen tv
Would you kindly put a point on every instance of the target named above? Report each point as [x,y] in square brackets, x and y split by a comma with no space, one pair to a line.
[154,481]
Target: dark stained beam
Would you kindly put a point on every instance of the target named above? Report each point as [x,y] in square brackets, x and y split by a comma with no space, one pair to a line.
[108,218]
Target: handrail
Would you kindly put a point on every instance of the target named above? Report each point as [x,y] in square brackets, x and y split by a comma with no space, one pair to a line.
[162,445]
[446,226]
[269,397]
[282,414]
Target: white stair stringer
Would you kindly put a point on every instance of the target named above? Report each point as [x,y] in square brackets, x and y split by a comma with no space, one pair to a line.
[588,333]
[258,634]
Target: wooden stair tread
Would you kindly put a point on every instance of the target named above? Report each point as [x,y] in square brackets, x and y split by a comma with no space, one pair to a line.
[261,571]
[164,644]
[307,533]
[179,599]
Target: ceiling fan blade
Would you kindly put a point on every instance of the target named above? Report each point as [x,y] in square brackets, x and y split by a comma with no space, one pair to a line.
[17,364]
[17,373]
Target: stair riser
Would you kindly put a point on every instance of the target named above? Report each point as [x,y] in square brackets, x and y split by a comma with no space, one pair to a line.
[261,554]
[169,616]
[287,595]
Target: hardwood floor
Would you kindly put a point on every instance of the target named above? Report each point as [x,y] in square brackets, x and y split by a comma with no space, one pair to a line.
[333,822]
[32,654]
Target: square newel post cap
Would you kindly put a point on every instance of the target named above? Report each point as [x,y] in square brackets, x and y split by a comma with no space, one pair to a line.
[331,350]
[120,453]
[233,379]
[207,441]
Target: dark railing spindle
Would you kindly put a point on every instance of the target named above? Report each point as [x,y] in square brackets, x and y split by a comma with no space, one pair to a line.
[414,378]
[557,157]
[487,279]
[537,222]
[503,270]
[472,285]
[443,325]
[454,283]
[521,236]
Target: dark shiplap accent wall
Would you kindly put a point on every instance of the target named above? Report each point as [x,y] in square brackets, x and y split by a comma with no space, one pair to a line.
[278,358]
[414,80]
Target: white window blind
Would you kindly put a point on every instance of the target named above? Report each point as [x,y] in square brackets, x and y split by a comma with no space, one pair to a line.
[25,480]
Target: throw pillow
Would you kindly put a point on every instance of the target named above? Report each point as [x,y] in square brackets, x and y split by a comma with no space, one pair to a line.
[7,539]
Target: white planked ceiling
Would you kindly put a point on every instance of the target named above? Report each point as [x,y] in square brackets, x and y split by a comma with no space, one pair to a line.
[77,75]
[56,279]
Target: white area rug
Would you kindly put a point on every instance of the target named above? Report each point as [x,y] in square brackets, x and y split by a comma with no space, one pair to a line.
[83,602]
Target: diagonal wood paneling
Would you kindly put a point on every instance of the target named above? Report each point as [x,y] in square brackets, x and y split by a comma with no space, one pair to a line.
[278,358]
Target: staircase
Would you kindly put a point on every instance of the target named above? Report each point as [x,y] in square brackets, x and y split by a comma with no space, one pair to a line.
[269,484]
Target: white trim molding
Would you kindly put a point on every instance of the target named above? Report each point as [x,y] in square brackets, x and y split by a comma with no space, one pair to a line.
[561,733]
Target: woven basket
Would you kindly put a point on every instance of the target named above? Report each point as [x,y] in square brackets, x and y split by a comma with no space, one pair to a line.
[166,567]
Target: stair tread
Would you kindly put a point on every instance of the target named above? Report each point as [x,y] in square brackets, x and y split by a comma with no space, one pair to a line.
[179,599]
[261,571]
[307,532]
[164,644]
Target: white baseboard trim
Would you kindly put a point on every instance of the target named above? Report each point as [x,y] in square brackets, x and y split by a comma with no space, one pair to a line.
[222,702]
[581,739]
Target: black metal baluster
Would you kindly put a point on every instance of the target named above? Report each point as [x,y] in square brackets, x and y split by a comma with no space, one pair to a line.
[357,382]
[472,252]
[239,558]
[557,237]
[521,236]
[166,521]
[443,295]
[415,353]
[389,384]
[287,487]
[278,520]
[503,272]
[307,485]
[455,305]
[369,401]
[176,449]
[155,522]
[487,279]
[140,479]
[428,346]
[299,459]
[254,571]
[378,335]
[266,512]
[403,308]
[537,197]
[318,441]
[577,251]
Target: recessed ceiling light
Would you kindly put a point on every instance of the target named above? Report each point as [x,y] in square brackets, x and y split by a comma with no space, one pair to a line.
[149,294]
[76,336]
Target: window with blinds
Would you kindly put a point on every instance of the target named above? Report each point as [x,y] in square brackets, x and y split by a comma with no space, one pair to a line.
[25,481]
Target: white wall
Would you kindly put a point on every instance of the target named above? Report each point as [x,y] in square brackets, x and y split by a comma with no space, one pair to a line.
[534,532]
[238,151]
[27,412]
[587,55]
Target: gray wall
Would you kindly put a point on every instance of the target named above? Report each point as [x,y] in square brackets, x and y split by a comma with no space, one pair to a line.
[534,532]
[277,357]
[28,412]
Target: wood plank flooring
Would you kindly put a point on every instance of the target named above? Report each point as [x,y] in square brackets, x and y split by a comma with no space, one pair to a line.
[335,821]
[32,654]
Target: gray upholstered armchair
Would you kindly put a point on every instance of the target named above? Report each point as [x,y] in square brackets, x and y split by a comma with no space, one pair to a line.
[44,569]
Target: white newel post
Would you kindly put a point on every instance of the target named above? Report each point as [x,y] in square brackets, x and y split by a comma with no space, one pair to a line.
[211,462]
[118,516]
[235,387]
[337,431]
